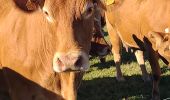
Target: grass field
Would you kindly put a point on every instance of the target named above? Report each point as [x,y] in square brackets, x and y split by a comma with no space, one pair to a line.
[99,83]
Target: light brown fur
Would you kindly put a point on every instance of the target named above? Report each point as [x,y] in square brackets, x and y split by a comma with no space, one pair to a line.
[28,42]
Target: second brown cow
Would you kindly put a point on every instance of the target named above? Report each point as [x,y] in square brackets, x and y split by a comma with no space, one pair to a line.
[142,26]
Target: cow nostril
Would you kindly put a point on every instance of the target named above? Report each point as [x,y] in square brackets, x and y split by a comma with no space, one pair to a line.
[59,62]
[79,62]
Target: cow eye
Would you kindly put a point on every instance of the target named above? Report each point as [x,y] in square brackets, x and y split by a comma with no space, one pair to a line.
[47,15]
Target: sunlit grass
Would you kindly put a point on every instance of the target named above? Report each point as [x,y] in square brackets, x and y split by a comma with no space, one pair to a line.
[99,83]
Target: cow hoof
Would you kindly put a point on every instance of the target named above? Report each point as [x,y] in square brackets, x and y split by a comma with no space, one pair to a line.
[146,78]
[120,79]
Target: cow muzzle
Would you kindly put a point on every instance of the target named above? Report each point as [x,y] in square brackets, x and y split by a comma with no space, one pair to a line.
[104,51]
[71,61]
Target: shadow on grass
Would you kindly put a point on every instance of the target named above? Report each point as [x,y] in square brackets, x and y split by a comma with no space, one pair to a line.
[109,89]
[105,34]
[165,69]
[107,64]
[127,57]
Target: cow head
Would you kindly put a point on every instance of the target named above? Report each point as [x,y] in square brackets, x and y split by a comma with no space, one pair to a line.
[71,24]
[161,43]
[76,31]
[74,25]
[99,46]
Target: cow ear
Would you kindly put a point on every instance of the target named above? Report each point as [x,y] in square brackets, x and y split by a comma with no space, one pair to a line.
[100,4]
[158,38]
[32,5]
[29,5]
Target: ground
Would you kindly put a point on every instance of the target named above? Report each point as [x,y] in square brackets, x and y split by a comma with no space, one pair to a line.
[99,83]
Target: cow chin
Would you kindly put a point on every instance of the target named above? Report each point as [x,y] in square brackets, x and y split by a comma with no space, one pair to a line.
[71,61]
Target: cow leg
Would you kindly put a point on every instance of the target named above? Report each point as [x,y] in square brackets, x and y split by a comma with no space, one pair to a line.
[116,49]
[156,71]
[141,62]
[153,59]
[117,59]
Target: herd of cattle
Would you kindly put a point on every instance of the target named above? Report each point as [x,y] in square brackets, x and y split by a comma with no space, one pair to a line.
[45,44]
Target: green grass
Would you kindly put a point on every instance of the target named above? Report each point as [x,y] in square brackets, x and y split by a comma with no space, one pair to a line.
[99,83]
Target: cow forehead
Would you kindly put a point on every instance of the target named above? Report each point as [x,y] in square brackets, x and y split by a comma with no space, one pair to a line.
[65,8]
[66,4]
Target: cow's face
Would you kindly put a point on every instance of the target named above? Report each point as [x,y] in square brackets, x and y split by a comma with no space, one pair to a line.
[74,22]
[71,22]
[161,41]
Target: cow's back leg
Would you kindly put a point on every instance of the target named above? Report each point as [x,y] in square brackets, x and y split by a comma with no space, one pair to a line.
[141,62]
[116,49]
[156,71]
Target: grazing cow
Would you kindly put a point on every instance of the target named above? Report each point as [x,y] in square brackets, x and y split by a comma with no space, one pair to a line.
[99,47]
[44,47]
[143,25]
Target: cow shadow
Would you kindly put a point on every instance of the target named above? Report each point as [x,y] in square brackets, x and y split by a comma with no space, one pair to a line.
[133,88]
[105,33]
[25,89]
[127,57]
[164,69]
[104,65]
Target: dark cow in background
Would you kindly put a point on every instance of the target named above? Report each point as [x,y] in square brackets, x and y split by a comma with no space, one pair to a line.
[44,47]
[143,25]
[99,46]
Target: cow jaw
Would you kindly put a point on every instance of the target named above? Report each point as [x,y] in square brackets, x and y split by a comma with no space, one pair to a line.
[71,61]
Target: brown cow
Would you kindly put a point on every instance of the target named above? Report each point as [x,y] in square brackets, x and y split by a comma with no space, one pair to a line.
[39,39]
[100,47]
[141,24]
[116,50]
